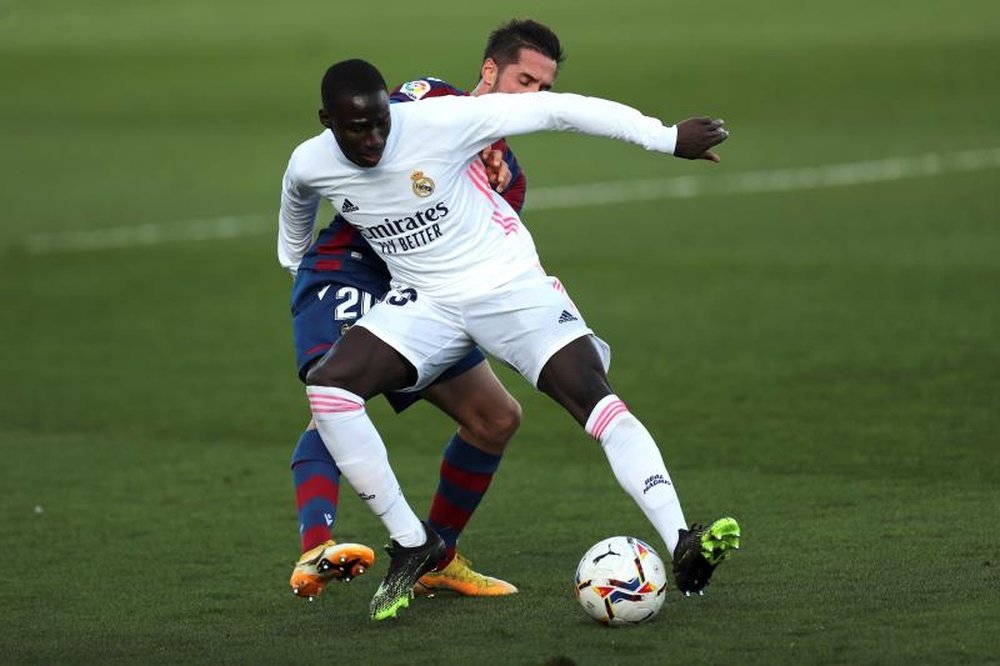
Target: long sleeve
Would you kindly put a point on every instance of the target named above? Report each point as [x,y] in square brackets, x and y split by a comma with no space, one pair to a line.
[296,219]
[478,121]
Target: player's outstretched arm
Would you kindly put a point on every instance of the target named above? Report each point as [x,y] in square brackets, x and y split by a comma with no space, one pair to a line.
[695,137]
[475,122]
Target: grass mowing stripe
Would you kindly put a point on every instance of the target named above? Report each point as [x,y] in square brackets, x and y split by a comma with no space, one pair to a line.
[233,226]
[771,180]
[561,197]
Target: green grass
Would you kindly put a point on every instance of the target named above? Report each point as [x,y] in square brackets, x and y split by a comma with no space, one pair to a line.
[822,364]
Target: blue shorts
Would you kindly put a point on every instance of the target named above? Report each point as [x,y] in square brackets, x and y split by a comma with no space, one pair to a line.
[323,310]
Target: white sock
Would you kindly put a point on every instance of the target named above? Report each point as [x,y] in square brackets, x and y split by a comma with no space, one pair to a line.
[355,445]
[638,466]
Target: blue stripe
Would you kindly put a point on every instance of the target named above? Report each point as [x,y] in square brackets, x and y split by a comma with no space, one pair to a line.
[311,449]
[460,497]
[468,458]
[312,512]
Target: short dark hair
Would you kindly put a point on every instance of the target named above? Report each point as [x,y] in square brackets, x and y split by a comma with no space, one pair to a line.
[505,43]
[350,77]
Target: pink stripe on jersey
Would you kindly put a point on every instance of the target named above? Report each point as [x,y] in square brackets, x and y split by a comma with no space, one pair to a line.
[558,286]
[477,174]
[607,415]
[508,224]
[478,178]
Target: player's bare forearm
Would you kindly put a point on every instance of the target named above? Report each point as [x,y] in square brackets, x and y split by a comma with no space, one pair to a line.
[696,137]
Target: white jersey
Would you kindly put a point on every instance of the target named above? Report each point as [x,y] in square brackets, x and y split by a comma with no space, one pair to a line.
[427,208]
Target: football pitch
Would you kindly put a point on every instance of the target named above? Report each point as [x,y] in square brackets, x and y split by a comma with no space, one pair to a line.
[810,330]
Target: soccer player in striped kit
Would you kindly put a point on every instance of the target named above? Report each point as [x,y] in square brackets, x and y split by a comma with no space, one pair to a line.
[465,272]
[339,278]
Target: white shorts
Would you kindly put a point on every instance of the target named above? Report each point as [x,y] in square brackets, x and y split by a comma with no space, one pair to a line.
[523,323]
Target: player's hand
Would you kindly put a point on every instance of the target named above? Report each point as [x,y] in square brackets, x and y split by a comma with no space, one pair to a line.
[497,171]
[695,136]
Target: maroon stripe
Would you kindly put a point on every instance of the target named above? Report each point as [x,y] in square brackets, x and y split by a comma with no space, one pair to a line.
[317,348]
[336,243]
[327,265]
[447,514]
[316,486]
[314,536]
[470,481]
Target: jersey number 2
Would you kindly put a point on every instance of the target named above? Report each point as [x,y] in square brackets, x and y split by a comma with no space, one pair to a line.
[352,303]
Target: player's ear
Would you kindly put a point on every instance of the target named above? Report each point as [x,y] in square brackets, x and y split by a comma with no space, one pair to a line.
[324,119]
[489,72]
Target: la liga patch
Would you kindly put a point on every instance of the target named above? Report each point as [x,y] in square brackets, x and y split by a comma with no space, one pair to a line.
[415,89]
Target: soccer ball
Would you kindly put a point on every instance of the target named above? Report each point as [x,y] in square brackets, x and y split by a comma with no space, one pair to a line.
[621,580]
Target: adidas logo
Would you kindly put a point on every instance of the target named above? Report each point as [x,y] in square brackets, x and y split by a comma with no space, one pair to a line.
[348,207]
[566,316]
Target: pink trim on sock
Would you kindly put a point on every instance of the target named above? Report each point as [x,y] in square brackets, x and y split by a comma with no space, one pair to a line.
[606,416]
[322,403]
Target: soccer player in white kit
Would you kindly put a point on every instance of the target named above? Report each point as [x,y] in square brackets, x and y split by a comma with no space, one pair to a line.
[465,272]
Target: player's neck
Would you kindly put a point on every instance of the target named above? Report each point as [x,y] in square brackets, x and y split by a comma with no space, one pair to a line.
[480,89]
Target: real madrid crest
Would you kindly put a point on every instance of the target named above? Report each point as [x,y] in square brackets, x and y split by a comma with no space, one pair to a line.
[422,185]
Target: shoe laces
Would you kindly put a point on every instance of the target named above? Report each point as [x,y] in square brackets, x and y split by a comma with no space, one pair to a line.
[463,571]
[462,560]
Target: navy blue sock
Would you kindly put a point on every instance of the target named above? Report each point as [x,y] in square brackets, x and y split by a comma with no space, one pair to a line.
[466,473]
[317,489]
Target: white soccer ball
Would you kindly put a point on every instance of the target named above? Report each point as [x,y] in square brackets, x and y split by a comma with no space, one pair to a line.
[621,580]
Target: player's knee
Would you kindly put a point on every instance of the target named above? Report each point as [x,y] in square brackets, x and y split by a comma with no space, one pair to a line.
[493,430]
[320,375]
[336,375]
[506,422]
[578,393]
